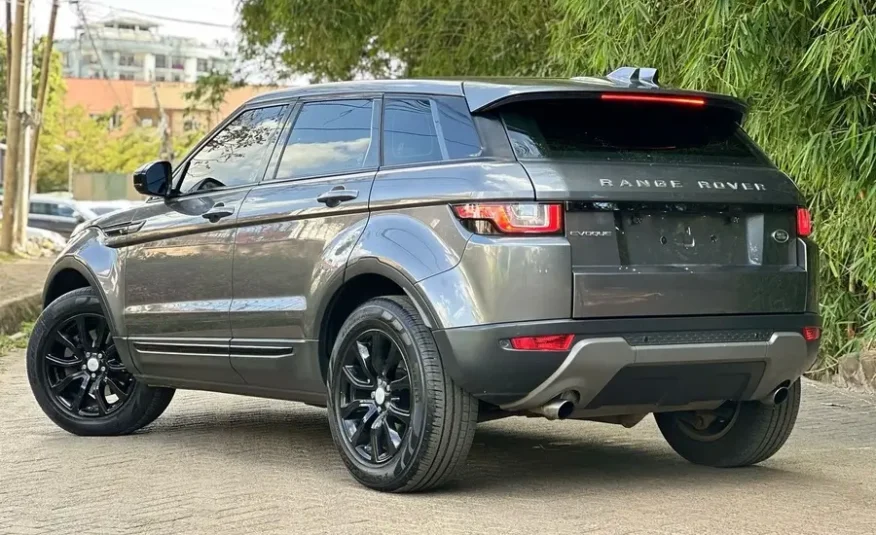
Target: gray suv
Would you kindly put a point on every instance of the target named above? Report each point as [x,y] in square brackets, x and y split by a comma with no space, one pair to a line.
[419,256]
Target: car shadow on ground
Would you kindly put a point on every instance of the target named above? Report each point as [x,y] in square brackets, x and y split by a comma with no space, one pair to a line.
[506,456]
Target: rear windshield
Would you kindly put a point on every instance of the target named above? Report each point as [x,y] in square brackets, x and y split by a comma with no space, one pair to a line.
[574,129]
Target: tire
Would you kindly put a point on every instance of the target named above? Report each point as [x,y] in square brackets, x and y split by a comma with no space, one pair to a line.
[136,404]
[442,417]
[755,433]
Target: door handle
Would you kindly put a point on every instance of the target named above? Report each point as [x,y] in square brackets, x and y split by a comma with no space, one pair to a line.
[337,195]
[218,211]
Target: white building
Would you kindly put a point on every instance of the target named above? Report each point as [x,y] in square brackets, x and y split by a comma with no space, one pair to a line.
[132,49]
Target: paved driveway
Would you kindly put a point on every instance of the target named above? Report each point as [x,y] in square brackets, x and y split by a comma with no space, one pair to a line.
[223,464]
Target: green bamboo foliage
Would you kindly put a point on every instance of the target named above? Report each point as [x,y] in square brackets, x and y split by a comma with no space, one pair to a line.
[807,68]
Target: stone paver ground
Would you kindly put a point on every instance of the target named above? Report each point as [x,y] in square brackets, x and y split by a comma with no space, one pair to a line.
[223,464]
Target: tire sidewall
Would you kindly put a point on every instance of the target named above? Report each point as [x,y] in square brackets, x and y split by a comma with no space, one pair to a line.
[404,464]
[66,306]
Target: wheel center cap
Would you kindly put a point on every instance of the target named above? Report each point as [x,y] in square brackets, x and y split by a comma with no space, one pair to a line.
[92,364]
[380,395]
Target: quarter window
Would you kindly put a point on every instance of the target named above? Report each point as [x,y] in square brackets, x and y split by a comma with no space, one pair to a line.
[329,138]
[424,130]
[235,155]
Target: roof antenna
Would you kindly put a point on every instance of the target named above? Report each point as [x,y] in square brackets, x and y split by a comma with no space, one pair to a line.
[635,76]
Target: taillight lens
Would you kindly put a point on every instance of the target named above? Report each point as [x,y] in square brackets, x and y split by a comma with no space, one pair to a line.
[811,334]
[665,99]
[512,218]
[553,342]
[804,222]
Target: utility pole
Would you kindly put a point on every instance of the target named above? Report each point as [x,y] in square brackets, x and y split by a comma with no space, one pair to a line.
[8,42]
[13,128]
[41,93]
[20,228]
[165,151]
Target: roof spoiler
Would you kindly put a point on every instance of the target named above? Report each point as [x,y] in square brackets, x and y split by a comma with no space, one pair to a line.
[635,76]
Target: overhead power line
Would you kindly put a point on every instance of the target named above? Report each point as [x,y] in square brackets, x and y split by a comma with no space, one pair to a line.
[160,17]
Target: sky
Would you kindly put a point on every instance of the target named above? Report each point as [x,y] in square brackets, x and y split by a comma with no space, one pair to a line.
[214,12]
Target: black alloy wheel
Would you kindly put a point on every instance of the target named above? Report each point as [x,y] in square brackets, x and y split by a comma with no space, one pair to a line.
[373,402]
[82,368]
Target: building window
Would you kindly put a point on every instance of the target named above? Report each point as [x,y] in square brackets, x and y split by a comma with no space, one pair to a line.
[202,65]
[126,76]
[177,77]
[160,78]
[127,60]
[161,62]
[177,62]
[146,122]
[191,124]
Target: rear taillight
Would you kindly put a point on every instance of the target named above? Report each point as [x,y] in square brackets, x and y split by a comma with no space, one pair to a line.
[553,342]
[811,334]
[511,218]
[804,222]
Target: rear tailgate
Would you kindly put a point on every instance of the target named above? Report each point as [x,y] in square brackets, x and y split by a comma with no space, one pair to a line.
[670,209]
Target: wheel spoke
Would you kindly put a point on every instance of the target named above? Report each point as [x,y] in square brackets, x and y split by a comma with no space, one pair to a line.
[61,385]
[402,383]
[115,365]
[380,345]
[116,389]
[365,423]
[84,339]
[350,373]
[391,438]
[76,404]
[99,334]
[374,441]
[400,414]
[355,405]
[64,363]
[392,358]
[102,407]
[66,342]
[364,359]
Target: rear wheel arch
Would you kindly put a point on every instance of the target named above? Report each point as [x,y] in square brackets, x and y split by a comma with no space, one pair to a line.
[369,278]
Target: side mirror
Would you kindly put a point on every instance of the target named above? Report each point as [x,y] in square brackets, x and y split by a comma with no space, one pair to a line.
[154,179]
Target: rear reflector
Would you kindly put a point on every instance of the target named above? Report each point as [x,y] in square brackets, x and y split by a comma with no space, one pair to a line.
[811,334]
[804,222]
[666,99]
[554,342]
[515,218]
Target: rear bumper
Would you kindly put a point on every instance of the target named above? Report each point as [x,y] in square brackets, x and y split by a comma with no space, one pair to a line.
[642,362]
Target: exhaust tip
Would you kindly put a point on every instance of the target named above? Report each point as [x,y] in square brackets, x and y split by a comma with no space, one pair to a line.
[565,410]
[780,395]
[776,397]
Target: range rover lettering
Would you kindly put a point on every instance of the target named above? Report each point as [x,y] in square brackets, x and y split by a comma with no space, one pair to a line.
[421,255]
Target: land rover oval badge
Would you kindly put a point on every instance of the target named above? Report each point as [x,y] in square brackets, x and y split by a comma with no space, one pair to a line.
[781,235]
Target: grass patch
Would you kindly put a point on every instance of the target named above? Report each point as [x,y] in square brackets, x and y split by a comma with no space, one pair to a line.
[10,342]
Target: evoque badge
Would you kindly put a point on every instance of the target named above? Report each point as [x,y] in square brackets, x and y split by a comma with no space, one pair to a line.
[781,235]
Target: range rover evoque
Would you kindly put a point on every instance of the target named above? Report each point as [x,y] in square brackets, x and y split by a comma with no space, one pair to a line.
[421,255]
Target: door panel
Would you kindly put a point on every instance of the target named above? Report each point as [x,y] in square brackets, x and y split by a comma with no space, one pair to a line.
[179,288]
[179,265]
[296,234]
[290,247]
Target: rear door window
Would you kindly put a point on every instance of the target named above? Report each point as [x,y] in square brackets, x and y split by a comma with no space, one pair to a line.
[424,130]
[330,137]
[575,129]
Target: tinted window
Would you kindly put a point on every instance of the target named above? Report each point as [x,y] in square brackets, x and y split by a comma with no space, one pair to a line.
[63,210]
[422,130]
[627,131]
[328,138]
[39,208]
[235,155]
